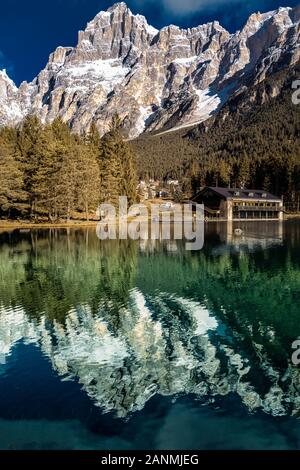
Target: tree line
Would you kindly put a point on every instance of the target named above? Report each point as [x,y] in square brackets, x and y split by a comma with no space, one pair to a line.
[254,142]
[46,172]
[252,148]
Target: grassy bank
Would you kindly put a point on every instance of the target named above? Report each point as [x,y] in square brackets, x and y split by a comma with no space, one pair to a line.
[16,224]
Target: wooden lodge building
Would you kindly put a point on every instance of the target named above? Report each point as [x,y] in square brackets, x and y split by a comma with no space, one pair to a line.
[237,204]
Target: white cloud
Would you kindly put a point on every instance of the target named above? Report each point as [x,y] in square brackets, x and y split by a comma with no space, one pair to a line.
[188,7]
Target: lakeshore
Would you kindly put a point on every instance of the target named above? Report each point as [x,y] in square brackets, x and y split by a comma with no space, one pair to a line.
[17,224]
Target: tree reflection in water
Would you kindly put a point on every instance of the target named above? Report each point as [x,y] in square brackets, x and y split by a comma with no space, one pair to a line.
[130,321]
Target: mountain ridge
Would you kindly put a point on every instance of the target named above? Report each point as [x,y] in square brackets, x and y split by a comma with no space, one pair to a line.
[252,142]
[155,79]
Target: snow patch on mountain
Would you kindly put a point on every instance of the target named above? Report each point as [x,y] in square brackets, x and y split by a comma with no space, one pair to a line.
[208,103]
[140,125]
[107,72]
[178,77]
[187,61]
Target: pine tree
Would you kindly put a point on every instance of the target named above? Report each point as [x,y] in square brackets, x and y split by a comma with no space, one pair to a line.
[27,138]
[110,172]
[12,194]
[55,180]
[88,181]
[93,137]
[244,171]
[41,190]
[129,174]
[117,166]
[267,183]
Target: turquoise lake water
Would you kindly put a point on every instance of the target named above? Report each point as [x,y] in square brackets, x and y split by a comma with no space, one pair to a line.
[143,345]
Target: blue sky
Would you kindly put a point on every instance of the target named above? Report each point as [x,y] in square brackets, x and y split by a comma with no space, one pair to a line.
[30,29]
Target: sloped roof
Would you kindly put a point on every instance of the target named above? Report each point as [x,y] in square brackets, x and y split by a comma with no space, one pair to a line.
[238,193]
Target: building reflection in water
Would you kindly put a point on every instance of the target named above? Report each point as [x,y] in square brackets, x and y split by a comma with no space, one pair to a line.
[131,321]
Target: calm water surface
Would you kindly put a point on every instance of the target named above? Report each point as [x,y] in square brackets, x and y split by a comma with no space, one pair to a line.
[128,345]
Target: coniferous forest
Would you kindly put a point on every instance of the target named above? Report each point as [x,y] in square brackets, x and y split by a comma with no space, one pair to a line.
[48,173]
[253,142]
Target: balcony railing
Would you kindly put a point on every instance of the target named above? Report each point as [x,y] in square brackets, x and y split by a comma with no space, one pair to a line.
[258,208]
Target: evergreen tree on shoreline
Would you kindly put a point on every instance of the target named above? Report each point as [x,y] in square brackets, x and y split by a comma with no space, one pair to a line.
[88,181]
[12,195]
[46,171]
[117,167]
[27,138]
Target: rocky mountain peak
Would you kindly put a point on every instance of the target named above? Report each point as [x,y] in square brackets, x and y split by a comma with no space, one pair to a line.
[120,7]
[154,79]
[114,34]
[6,84]
[10,110]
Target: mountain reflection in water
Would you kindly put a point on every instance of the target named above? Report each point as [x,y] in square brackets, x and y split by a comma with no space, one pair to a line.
[130,320]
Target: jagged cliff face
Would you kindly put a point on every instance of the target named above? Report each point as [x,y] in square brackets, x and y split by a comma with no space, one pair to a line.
[153,79]
[10,110]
